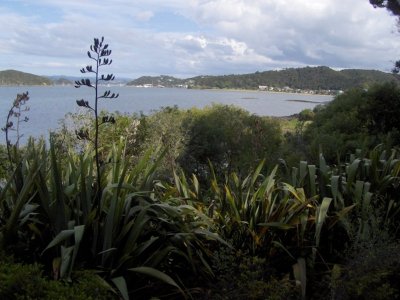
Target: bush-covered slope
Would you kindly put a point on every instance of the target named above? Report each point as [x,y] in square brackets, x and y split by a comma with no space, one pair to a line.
[12,77]
[313,78]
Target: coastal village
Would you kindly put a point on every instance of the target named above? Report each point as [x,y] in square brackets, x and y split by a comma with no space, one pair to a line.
[265,88]
[287,89]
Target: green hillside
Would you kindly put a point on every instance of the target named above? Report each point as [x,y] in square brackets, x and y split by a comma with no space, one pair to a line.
[12,77]
[312,78]
[167,81]
[63,81]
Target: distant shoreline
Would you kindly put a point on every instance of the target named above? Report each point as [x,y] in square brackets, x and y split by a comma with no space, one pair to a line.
[199,89]
[304,101]
[271,92]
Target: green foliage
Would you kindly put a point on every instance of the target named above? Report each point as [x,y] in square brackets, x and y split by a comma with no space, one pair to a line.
[338,127]
[382,109]
[53,219]
[355,119]
[241,276]
[165,129]
[167,237]
[12,77]
[130,128]
[24,281]
[260,214]
[228,137]
[165,81]
[371,272]
[4,163]
[306,115]
[314,78]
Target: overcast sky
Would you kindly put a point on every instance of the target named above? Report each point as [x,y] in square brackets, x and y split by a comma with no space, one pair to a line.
[184,38]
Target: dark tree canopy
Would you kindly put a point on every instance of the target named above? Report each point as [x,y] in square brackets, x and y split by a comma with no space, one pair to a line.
[392,5]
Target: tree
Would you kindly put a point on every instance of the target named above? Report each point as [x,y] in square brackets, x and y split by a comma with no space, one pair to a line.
[230,138]
[338,128]
[391,5]
[394,7]
[382,109]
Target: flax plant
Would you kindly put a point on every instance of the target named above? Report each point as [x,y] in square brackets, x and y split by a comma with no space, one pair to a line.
[137,235]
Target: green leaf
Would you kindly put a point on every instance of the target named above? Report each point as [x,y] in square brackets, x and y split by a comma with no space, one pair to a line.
[62,236]
[66,261]
[312,170]
[278,225]
[321,216]
[279,245]
[300,274]
[120,283]
[158,275]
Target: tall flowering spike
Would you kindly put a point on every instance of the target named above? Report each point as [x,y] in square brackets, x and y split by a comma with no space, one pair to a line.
[97,53]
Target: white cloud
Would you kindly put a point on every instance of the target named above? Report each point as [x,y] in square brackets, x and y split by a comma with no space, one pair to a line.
[304,29]
[144,15]
[231,35]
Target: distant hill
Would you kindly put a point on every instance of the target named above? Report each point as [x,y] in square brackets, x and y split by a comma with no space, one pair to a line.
[12,77]
[308,78]
[70,80]
[312,78]
[62,81]
[163,80]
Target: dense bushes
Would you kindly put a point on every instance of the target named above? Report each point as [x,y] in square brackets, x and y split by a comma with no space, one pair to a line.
[356,119]
[381,110]
[27,281]
[241,226]
[52,218]
[371,271]
[229,137]
[337,128]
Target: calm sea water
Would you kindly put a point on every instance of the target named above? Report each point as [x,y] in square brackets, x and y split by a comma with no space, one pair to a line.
[50,104]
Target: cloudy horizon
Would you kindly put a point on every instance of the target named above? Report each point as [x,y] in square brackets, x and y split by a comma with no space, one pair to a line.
[196,37]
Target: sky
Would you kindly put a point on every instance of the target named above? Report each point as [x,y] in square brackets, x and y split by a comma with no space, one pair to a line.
[186,38]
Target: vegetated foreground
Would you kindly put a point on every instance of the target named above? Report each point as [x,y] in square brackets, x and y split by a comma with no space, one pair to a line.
[205,204]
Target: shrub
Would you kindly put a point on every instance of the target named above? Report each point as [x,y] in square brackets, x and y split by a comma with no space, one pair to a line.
[371,272]
[241,276]
[337,128]
[355,119]
[230,138]
[19,281]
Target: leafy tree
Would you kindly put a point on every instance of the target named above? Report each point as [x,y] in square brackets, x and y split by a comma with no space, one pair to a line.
[392,5]
[382,110]
[338,128]
[164,129]
[230,138]
[356,119]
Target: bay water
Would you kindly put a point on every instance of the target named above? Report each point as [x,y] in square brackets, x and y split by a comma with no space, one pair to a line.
[50,104]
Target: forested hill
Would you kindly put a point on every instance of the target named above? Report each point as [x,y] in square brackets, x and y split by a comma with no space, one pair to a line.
[317,78]
[309,78]
[12,77]
[313,78]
